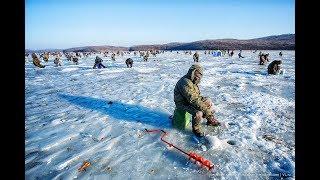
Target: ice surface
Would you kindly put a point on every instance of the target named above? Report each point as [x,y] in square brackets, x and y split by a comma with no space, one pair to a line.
[75,113]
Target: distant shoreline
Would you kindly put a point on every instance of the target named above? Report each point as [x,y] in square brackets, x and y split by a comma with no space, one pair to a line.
[278,42]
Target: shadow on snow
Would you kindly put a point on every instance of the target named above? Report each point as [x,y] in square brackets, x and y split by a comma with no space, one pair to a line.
[121,111]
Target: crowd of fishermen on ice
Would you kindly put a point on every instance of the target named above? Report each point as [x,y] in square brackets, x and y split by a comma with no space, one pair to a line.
[187,96]
[274,67]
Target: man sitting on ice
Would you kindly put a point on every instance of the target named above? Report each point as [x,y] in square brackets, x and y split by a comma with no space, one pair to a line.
[275,67]
[129,62]
[187,98]
[36,61]
[98,63]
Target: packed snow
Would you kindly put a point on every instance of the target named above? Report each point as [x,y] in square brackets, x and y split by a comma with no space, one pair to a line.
[74,113]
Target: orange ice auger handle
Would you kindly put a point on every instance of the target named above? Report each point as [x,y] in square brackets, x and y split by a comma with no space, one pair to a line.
[192,155]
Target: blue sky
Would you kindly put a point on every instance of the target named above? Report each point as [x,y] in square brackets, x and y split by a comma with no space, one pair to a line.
[74,23]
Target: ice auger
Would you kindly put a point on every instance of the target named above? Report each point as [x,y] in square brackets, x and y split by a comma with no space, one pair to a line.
[191,155]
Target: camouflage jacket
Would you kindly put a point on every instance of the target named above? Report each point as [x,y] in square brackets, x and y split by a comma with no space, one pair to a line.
[186,93]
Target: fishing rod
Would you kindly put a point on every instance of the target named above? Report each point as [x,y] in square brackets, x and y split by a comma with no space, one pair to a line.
[192,155]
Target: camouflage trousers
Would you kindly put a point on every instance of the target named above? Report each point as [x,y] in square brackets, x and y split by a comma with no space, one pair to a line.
[197,115]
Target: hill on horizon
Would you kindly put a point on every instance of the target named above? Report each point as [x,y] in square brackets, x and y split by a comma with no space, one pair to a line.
[276,42]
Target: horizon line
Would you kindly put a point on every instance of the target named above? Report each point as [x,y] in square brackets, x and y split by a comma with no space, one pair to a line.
[153,43]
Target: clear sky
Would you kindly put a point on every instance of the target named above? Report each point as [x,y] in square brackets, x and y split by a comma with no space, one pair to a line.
[75,23]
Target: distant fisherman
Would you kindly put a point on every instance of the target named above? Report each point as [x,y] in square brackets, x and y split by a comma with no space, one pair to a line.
[78,54]
[36,61]
[141,53]
[113,57]
[145,58]
[263,58]
[46,57]
[154,54]
[98,63]
[129,62]
[275,67]
[223,52]
[231,54]
[239,55]
[196,57]
[57,61]
[75,60]
[69,57]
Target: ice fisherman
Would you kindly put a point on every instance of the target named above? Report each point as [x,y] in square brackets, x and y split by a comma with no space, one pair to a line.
[187,97]
[129,62]
[113,57]
[239,55]
[57,61]
[231,54]
[275,67]
[196,57]
[98,63]
[145,57]
[36,61]
[263,58]
[75,60]
[78,54]
[46,57]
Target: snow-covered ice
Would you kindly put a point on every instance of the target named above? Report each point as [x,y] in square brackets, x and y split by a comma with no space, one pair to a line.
[75,113]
